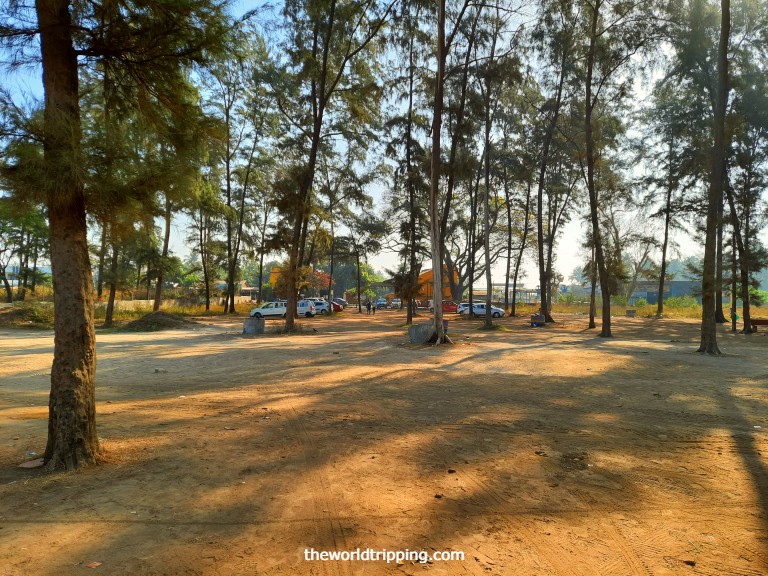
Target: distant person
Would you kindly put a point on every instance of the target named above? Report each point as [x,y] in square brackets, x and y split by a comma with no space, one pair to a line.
[373,309]
[368,307]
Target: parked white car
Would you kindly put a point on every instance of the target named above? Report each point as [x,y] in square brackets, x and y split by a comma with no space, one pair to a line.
[278,309]
[479,310]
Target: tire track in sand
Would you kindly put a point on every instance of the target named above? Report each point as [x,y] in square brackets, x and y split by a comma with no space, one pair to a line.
[326,519]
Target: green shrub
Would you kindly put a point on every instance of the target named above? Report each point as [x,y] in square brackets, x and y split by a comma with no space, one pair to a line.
[640,302]
[685,301]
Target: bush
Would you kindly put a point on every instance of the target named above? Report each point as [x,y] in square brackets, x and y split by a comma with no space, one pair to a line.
[758,297]
[28,314]
[685,301]
[641,302]
[619,301]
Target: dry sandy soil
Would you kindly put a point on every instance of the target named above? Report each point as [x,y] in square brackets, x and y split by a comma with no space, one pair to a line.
[532,451]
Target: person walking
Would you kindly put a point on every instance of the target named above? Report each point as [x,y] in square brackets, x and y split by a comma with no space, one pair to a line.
[368,307]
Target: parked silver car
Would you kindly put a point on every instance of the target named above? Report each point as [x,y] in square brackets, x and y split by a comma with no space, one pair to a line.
[479,310]
[321,306]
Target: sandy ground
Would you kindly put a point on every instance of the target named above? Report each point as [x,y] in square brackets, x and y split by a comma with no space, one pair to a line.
[532,451]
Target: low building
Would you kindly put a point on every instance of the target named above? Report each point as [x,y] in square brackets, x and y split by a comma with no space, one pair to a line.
[649,290]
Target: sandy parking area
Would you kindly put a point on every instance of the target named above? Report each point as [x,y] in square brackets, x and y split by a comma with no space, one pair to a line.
[532,451]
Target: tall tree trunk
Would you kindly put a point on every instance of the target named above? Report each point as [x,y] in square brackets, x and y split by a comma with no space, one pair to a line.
[72,439]
[409,176]
[102,259]
[508,271]
[459,115]
[108,316]
[34,271]
[474,192]
[593,287]
[591,161]
[742,242]
[487,194]
[708,343]
[435,170]
[719,315]
[359,300]
[548,137]
[164,258]
[665,243]
[261,273]
[734,272]
[203,240]
[746,257]
[330,274]
[24,267]
[522,248]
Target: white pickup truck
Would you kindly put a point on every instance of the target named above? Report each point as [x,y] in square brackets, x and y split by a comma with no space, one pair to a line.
[278,309]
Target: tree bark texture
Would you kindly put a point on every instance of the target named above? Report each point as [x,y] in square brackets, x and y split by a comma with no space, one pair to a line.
[72,439]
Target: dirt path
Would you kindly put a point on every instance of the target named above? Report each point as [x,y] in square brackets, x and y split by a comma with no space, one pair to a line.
[532,451]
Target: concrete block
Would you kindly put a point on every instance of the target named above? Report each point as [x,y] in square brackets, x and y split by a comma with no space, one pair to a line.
[253,326]
[421,333]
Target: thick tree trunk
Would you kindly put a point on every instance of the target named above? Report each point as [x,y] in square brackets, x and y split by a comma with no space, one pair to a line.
[8,288]
[72,439]
[708,343]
